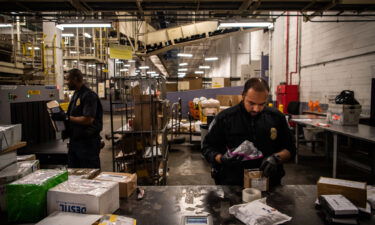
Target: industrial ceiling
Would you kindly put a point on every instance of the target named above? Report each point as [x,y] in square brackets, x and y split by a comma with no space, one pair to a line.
[163,14]
[142,6]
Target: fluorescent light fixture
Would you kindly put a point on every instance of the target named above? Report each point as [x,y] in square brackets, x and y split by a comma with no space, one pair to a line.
[123,70]
[199,72]
[150,72]
[137,71]
[211,58]
[131,60]
[184,55]
[35,48]
[82,25]
[181,74]
[6,25]
[73,52]
[204,67]
[183,64]
[144,67]
[67,35]
[182,69]
[92,65]
[118,62]
[87,35]
[247,24]
[93,48]
[154,75]
[127,65]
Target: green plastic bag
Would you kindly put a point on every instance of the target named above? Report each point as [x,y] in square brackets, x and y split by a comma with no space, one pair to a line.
[26,198]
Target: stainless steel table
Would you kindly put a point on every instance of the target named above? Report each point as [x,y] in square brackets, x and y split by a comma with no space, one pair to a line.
[361,132]
[166,205]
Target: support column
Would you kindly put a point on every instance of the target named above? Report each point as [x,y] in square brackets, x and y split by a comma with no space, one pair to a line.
[54,56]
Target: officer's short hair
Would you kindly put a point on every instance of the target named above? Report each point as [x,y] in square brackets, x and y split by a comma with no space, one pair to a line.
[258,84]
[75,74]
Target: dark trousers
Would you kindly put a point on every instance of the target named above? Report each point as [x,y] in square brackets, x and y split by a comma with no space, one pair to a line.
[84,153]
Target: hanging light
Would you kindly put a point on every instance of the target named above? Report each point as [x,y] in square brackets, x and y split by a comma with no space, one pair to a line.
[214,58]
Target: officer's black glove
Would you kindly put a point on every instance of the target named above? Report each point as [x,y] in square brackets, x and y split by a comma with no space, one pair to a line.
[60,116]
[269,165]
[229,159]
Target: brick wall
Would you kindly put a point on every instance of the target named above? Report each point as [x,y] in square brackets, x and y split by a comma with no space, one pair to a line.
[334,57]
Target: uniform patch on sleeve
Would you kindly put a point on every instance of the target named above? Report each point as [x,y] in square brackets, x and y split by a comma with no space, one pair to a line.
[273,132]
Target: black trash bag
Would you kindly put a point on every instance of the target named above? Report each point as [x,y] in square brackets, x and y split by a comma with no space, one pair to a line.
[346,97]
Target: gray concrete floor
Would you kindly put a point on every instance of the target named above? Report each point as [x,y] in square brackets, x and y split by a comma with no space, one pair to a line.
[187,167]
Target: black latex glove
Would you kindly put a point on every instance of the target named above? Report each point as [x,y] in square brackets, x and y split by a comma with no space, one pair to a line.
[228,159]
[60,116]
[269,165]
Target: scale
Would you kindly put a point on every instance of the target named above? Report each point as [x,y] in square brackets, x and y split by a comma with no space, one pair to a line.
[196,220]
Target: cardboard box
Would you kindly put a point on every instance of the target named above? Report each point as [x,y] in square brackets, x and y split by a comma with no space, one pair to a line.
[171,87]
[195,84]
[355,191]
[65,218]
[254,179]
[220,82]
[30,157]
[10,135]
[13,173]
[127,181]
[229,100]
[145,113]
[26,198]
[83,173]
[84,196]
[343,114]
[7,158]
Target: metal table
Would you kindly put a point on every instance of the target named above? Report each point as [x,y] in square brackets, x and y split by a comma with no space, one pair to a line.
[165,205]
[54,152]
[361,132]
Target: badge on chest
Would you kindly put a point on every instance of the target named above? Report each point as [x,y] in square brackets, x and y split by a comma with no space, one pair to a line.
[273,133]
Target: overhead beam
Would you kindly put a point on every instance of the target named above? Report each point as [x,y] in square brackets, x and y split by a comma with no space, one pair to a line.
[79,6]
[330,5]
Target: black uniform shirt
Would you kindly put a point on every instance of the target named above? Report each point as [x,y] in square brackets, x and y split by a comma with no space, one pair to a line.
[85,102]
[268,131]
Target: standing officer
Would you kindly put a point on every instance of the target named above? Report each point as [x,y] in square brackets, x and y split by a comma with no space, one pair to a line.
[84,122]
[250,120]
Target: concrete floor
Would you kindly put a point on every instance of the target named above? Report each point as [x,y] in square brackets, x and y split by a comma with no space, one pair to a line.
[187,167]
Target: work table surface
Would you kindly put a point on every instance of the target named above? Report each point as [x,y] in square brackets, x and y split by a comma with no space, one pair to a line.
[166,205]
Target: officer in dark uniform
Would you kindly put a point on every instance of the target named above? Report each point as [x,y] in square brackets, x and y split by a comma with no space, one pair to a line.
[250,120]
[84,123]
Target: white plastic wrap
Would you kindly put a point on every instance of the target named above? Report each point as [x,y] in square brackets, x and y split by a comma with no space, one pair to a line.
[18,170]
[84,186]
[114,177]
[116,220]
[247,150]
[210,103]
[38,177]
[258,213]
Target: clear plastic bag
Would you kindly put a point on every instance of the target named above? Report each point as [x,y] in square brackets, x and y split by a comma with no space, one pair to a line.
[247,150]
[258,213]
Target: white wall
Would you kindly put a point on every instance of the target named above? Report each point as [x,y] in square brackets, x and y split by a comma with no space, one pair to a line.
[235,51]
[321,43]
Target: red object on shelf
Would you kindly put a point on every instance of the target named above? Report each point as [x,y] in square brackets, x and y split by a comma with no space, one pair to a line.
[286,94]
